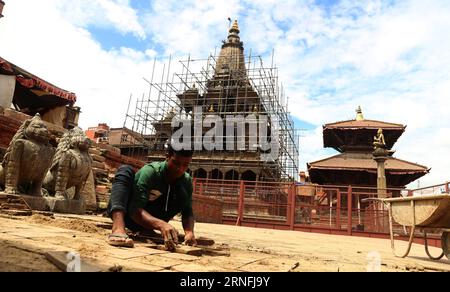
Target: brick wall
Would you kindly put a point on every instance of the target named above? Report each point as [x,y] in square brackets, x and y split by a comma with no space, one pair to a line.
[10,122]
[114,160]
[207,210]
[8,128]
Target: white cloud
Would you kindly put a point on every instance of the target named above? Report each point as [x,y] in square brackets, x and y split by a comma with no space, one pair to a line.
[102,13]
[393,61]
[67,55]
[183,27]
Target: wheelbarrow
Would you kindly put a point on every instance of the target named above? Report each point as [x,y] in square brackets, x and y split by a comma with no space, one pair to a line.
[429,213]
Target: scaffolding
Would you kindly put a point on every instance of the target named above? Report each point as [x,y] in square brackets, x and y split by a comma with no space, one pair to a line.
[221,91]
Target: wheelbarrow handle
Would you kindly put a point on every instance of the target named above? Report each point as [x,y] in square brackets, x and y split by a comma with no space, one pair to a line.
[372,199]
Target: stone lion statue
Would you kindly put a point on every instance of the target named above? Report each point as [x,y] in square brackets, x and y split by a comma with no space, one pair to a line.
[70,166]
[27,159]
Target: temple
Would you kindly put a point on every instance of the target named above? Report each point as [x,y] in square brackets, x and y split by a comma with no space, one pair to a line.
[229,84]
[354,165]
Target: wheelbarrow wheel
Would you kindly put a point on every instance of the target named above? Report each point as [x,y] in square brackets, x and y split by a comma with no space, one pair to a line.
[428,252]
[445,240]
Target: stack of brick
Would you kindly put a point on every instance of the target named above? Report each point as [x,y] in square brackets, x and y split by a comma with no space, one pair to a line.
[10,122]
[8,128]
[113,160]
[101,178]
[107,160]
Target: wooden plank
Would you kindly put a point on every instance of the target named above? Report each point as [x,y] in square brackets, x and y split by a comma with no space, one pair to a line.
[61,261]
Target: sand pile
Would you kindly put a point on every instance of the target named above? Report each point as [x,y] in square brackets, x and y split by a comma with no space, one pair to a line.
[71,224]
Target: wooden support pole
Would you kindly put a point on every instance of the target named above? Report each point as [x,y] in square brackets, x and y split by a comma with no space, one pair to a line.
[338,210]
[201,189]
[241,204]
[349,210]
[292,192]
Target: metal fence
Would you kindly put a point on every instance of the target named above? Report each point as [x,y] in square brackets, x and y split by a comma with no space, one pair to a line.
[313,208]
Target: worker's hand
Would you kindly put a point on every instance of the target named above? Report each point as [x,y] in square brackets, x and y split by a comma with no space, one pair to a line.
[170,235]
[189,238]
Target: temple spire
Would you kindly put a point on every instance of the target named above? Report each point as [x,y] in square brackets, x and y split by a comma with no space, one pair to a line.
[359,114]
[231,57]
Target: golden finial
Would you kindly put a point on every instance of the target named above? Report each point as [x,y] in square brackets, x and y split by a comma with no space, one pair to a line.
[235,24]
[235,27]
[211,109]
[359,114]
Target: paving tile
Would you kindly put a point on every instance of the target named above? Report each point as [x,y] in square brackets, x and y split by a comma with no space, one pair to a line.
[124,253]
[196,267]
[159,261]
[273,264]
[180,256]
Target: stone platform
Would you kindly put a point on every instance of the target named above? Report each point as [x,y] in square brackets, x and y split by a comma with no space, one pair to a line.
[53,205]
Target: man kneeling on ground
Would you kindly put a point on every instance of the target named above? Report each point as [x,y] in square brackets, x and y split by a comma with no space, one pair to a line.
[149,199]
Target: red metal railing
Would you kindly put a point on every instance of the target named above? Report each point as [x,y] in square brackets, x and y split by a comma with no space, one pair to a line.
[314,208]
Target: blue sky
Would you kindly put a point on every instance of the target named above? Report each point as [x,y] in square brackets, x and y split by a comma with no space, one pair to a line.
[390,57]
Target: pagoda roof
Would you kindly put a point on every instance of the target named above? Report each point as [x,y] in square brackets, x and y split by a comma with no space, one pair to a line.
[364,124]
[359,133]
[364,161]
[353,168]
[34,85]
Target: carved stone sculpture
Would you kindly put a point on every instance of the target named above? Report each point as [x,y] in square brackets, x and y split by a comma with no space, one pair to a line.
[27,159]
[378,140]
[71,165]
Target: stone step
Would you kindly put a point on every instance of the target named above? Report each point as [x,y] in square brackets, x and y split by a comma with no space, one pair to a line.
[14,206]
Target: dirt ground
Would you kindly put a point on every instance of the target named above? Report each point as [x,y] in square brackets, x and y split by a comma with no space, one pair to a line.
[25,240]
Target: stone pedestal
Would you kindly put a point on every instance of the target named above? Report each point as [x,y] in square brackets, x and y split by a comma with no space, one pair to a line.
[54,205]
[66,206]
[380,156]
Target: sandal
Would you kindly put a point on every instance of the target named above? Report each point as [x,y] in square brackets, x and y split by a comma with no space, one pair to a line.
[125,241]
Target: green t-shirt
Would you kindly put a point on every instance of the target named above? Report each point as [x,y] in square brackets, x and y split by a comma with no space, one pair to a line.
[153,193]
